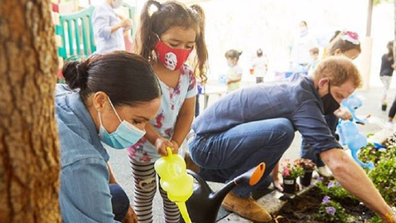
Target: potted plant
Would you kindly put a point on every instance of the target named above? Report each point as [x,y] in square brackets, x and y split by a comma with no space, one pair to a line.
[308,166]
[290,172]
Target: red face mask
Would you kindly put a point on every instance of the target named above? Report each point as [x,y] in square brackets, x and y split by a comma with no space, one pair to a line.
[171,58]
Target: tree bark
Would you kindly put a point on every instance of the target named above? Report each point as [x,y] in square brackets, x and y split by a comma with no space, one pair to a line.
[29,149]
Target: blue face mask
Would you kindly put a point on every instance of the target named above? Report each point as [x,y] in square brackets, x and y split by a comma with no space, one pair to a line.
[125,136]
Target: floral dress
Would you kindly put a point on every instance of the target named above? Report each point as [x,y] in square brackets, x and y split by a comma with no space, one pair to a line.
[165,120]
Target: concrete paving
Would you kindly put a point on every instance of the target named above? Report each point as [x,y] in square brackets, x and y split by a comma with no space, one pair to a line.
[371,105]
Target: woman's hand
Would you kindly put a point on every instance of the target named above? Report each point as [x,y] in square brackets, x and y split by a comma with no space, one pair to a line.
[130,216]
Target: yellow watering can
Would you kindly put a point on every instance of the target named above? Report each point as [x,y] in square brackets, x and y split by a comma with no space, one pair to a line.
[175,180]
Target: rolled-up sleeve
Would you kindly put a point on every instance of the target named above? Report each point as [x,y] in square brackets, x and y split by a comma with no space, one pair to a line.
[84,194]
[309,121]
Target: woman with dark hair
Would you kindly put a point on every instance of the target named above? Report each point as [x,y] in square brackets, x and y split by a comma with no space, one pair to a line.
[109,99]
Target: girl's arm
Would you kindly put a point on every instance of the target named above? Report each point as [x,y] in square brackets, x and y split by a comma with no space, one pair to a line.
[230,81]
[184,121]
[236,80]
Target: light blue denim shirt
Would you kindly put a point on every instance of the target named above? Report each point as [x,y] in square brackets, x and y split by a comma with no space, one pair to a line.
[103,18]
[84,194]
[295,99]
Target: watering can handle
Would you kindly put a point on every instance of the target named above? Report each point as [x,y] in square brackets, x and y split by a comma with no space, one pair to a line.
[169,151]
[195,175]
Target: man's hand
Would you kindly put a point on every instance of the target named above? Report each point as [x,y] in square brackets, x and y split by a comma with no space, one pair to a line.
[277,183]
[390,217]
[130,217]
[276,180]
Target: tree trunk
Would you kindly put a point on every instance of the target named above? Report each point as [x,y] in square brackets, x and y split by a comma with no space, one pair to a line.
[29,149]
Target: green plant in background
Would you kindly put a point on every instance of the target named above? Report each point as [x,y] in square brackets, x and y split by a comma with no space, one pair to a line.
[383,178]
[335,190]
[370,153]
[385,167]
[375,219]
[331,211]
[390,152]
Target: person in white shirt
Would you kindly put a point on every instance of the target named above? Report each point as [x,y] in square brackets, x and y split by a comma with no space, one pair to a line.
[260,66]
[109,27]
[303,42]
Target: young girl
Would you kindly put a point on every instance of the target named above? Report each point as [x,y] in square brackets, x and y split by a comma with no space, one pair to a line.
[234,74]
[166,38]
[386,72]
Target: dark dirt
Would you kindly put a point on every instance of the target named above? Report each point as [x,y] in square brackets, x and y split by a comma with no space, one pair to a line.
[302,209]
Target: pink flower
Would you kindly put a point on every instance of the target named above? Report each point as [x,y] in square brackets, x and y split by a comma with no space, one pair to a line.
[290,169]
[286,172]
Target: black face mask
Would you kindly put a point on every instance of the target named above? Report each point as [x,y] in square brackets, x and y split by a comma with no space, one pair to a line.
[329,103]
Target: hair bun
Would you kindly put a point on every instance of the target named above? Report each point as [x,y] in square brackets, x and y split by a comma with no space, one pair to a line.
[82,72]
[76,74]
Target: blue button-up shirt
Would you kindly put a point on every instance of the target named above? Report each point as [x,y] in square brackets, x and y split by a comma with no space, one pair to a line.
[84,194]
[103,18]
[295,99]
